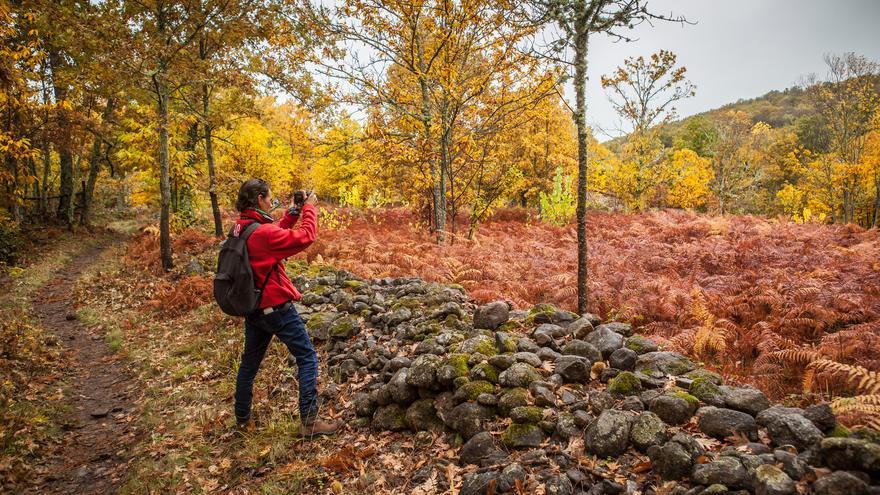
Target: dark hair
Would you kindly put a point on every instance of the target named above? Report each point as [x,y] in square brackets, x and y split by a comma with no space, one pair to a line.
[249,192]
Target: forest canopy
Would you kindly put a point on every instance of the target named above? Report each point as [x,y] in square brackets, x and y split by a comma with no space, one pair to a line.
[441,108]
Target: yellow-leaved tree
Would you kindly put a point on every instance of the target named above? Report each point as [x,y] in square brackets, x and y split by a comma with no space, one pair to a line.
[690,177]
[252,150]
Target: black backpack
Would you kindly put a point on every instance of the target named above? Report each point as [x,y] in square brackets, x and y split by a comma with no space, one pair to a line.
[234,288]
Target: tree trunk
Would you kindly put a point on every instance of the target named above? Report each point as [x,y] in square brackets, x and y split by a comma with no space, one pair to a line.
[95,167]
[209,155]
[65,211]
[437,194]
[580,118]
[44,187]
[876,222]
[444,166]
[164,185]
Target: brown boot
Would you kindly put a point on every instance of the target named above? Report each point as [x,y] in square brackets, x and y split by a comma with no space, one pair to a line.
[318,427]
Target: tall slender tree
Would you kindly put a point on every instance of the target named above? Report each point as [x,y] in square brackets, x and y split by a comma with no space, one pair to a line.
[577,21]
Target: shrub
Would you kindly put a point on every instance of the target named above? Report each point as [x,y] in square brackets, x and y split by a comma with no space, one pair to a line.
[558,207]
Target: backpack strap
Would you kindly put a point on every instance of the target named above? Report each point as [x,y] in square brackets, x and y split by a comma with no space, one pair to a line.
[245,235]
[251,227]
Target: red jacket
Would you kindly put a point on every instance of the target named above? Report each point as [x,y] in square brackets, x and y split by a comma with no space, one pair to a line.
[271,244]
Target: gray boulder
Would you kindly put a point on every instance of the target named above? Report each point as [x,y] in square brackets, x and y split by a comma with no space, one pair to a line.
[398,388]
[518,375]
[567,426]
[770,480]
[608,435]
[641,344]
[423,372]
[605,339]
[725,470]
[523,435]
[580,328]
[477,483]
[363,404]
[840,483]
[528,358]
[674,459]
[673,409]
[468,418]
[852,454]
[671,363]
[624,329]
[822,416]
[512,398]
[481,343]
[399,316]
[721,423]
[492,315]
[746,399]
[647,430]
[391,417]
[789,426]
[574,369]
[478,449]
[623,359]
[583,349]
[421,416]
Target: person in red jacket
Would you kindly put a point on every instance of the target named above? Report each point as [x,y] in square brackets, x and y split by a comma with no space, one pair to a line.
[268,246]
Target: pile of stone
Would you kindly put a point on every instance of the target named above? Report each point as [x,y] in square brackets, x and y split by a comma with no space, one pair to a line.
[507,381]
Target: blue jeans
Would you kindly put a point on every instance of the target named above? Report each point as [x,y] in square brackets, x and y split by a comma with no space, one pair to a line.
[258,332]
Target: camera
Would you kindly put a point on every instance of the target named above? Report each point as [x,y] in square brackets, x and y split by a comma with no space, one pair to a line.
[299,199]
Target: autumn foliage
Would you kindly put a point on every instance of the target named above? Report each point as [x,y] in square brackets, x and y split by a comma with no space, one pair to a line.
[733,291]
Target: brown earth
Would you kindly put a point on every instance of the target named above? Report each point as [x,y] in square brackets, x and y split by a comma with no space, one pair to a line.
[99,423]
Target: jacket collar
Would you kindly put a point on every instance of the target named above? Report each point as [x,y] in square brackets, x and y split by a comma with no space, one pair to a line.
[253,214]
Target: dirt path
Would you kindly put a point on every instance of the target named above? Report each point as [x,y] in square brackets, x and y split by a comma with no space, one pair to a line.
[100,423]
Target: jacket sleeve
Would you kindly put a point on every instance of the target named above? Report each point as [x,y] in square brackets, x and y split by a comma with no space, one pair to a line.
[285,242]
[288,220]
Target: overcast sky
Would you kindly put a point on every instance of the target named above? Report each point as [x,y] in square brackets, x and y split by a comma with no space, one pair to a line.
[738,49]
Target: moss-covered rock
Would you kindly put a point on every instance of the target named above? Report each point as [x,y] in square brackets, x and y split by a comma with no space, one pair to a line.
[422,416]
[354,284]
[480,344]
[505,343]
[459,362]
[510,327]
[485,371]
[547,313]
[839,431]
[391,417]
[461,381]
[692,401]
[706,375]
[706,391]
[671,363]
[523,435]
[640,344]
[512,398]
[526,414]
[472,390]
[409,302]
[625,383]
[343,328]
[318,325]
[519,375]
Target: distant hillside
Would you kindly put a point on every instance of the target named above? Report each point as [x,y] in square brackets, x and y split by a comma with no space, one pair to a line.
[777,108]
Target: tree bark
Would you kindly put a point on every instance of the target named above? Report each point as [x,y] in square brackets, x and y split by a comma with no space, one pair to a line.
[65,210]
[580,118]
[164,184]
[209,155]
[444,172]
[876,222]
[95,166]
